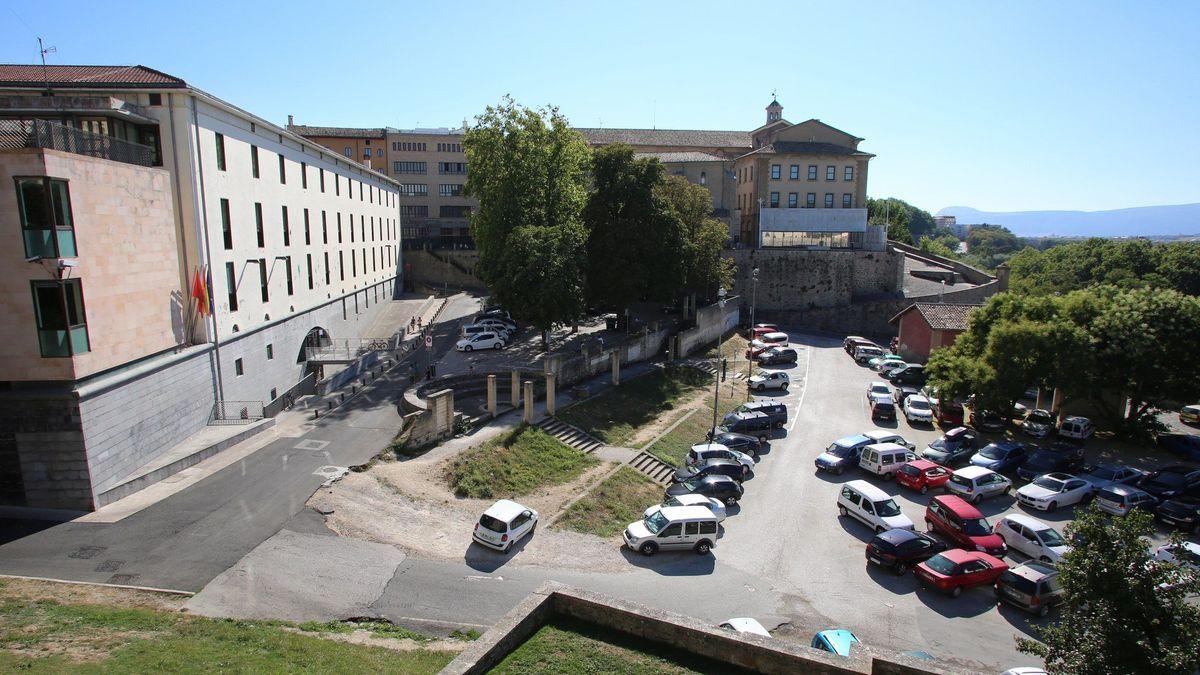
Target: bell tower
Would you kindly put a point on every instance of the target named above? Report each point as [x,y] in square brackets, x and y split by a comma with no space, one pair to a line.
[774,110]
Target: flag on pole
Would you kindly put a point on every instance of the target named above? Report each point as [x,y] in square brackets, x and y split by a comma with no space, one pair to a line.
[200,293]
[208,300]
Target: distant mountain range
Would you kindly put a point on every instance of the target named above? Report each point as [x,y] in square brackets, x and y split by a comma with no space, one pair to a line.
[1144,221]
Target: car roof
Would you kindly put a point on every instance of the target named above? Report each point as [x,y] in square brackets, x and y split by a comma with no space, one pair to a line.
[1027,521]
[1122,489]
[878,383]
[960,555]
[973,471]
[923,464]
[887,447]
[774,335]
[850,441]
[1058,475]
[746,625]
[840,639]
[505,510]
[1033,571]
[718,479]
[897,535]
[868,490]
[959,506]
[694,498]
[876,434]
[687,512]
[917,397]
[720,461]
[701,447]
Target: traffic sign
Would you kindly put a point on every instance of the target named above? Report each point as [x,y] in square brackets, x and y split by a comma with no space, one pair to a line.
[428,340]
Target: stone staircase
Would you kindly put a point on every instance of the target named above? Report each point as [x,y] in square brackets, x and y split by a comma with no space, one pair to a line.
[570,436]
[657,470]
[708,367]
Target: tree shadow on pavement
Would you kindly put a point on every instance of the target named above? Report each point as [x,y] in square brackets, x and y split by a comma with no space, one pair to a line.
[1020,619]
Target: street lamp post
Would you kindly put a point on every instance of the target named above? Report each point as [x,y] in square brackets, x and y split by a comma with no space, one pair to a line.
[717,363]
[753,297]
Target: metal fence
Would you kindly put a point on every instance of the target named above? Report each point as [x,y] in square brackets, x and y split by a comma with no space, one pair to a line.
[344,350]
[54,136]
[236,412]
[287,399]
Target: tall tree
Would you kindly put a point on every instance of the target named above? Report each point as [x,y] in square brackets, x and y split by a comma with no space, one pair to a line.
[529,171]
[705,269]
[1122,612]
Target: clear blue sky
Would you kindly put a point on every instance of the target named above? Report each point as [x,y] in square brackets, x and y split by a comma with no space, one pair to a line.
[999,106]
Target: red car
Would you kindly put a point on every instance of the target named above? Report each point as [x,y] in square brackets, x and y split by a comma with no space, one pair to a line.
[948,413]
[922,475]
[761,329]
[954,570]
[963,525]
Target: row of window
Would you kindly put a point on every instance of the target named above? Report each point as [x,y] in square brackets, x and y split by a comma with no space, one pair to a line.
[444,211]
[421,189]
[398,146]
[386,226]
[449,147]
[810,200]
[459,168]
[380,258]
[794,172]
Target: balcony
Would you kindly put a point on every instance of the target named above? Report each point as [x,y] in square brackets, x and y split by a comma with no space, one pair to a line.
[16,134]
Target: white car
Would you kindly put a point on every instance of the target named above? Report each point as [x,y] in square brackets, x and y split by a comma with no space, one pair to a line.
[692,499]
[878,389]
[973,483]
[485,340]
[874,507]
[1080,428]
[745,625]
[878,436]
[1186,554]
[1032,537]
[769,379]
[497,324]
[1054,490]
[504,524]
[917,409]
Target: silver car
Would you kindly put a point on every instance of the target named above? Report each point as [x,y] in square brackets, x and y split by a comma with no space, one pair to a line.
[974,483]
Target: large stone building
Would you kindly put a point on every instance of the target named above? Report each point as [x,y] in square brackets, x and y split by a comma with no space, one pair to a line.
[125,185]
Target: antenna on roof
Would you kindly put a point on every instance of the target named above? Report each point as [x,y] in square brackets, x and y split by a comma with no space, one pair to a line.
[654,115]
[44,51]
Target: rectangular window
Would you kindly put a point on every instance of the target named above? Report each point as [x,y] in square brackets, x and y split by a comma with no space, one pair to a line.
[793,200]
[307,234]
[288,262]
[414,189]
[231,284]
[353,265]
[282,170]
[47,225]
[775,168]
[324,229]
[829,200]
[61,322]
[812,171]
[337,185]
[774,200]
[413,211]
[326,268]
[831,173]
[339,227]
[274,394]
[310,277]
[258,225]
[810,200]
[264,289]
[220,152]
[408,167]
[321,175]
[341,267]
[270,352]
[847,200]
[452,190]
[794,172]
[351,228]
[303,175]
[226,227]
[238,369]
[454,211]
[254,161]
[287,229]
[452,168]
[849,173]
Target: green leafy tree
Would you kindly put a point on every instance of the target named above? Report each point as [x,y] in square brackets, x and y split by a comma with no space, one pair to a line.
[529,172]
[1122,612]
[1127,264]
[897,212]
[705,269]
[939,246]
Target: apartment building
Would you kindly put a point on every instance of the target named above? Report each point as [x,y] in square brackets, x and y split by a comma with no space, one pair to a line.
[167,258]
[365,146]
[431,167]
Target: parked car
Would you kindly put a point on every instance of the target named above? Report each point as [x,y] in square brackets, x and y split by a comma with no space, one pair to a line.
[776,411]
[712,467]
[886,362]
[1053,490]
[865,353]
[1032,537]
[901,394]
[1000,457]
[505,324]
[878,390]
[714,505]
[1064,457]
[956,569]
[1119,499]
[1037,423]
[476,328]
[853,342]
[1104,475]
[1190,414]
[1185,554]
[962,525]
[988,420]
[761,329]
[1032,586]
[898,550]
[1184,445]
[884,459]
[837,641]
[503,524]
[745,625]
[776,355]
[765,342]
[922,475]
[842,453]
[1170,481]
[883,409]
[495,313]
[917,410]
[974,483]
[768,379]
[1078,428]
[754,424]
[1182,511]
[874,507]
[702,452]
[484,340]
[885,436]
[912,373]
[744,443]
[953,448]
[722,488]
[676,527]
[947,413]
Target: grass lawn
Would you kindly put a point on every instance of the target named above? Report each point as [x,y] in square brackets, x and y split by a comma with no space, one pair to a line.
[44,636]
[612,505]
[571,647]
[673,447]
[616,415]
[515,464]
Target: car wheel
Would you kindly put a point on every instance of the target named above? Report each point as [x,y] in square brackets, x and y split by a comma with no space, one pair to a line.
[1045,559]
[648,549]
[745,471]
[900,568]
[703,547]
[1007,490]
[929,526]
[762,439]
[956,591]
[838,470]
[975,499]
[924,489]
[1044,611]
[730,501]
[1051,506]
[467,348]
[841,511]
[879,529]
[784,386]
[888,476]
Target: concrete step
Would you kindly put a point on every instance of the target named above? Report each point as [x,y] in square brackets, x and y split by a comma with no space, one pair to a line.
[570,436]
[657,470]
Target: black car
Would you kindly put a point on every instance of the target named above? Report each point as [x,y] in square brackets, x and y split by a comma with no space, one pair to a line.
[901,393]
[723,488]
[1184,445]
[1170,481]
[775,410]
[988,420]
[712,467]
[754,424]
[898,550]
[1060,457]
[1182,511]
[912,374]
[740,442]
[953,448]
[883,409]
[777,355]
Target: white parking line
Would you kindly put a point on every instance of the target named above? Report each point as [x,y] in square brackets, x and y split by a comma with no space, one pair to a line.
[800,403]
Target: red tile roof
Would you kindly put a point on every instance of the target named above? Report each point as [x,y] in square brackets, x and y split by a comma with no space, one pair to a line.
[339,132]
[85,77]
[940,316]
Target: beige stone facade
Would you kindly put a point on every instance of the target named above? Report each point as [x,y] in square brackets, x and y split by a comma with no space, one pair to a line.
[431,166]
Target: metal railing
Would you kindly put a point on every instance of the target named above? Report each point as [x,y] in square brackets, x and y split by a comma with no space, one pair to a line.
[236,412]
[347,349]
[54,136]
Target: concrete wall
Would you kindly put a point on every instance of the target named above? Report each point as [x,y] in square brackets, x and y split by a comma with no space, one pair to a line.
[797,280]
[711,323]
[442,268]
[971,274]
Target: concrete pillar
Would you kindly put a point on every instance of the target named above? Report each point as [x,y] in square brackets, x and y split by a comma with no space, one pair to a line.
[615,358]
[1056,402]
[528,401]
[441,406]
[491,395]
[516,390]
[550,394]
[1040,394]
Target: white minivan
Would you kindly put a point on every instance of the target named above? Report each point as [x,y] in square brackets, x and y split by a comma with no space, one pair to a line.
[673,527]
[872,506]
[884,459]
[504,524]
[1032,537]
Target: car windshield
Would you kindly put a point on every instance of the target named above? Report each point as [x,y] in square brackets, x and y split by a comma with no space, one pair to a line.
[656,522]
[690,485]
[977,527]
[1018,582]
[838,450]
[918,404]
[941,564]
[879,389]
[1051,538]
[959,480]
[1104,473]
[1040,417]
[887,508]
[1169,479]
[910,470]
[939,444]
[1049,483]
[1109,495]
[493,524]
[993,451]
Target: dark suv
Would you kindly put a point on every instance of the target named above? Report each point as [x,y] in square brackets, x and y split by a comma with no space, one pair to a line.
[777,355]
[776,411]
[746,443]
[1060,457]
[955,447]
[723,488]
[754,424]
[912,374]
[883,409]
[1182,511]
[712,467]
[1171,481]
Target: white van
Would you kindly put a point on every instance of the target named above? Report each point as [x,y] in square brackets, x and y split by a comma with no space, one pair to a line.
[504,524]
[1032,537]
[474,328]
[884,459]
[673,527]
[1080,428]
[872,506]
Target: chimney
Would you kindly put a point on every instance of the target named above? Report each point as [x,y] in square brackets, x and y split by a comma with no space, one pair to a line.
[291,121]
[1002,277]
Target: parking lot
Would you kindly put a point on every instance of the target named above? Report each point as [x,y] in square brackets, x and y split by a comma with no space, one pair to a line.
[788,529]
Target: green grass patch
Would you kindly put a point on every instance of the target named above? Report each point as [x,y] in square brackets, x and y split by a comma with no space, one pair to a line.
[571,647]
[49,637]
[617,501]
[616,415]
[673,447]
[515,464]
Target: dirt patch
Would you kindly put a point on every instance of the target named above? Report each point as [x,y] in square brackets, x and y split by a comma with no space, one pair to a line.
[94,645]
[366,637]
[32,590]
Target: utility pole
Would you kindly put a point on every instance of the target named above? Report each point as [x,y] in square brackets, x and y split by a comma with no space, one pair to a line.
[753,298]
[717,363]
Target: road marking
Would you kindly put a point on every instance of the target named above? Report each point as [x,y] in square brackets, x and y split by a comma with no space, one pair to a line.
[97,583]
[477,577]
[803,391]
[310,444]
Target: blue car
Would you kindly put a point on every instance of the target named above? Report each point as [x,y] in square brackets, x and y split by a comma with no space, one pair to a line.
[837,641]
[1001,457]
[842,454]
